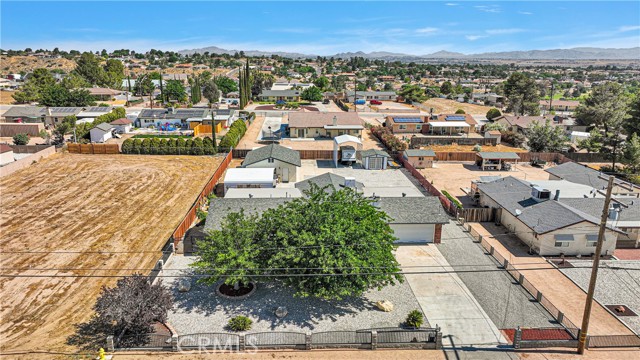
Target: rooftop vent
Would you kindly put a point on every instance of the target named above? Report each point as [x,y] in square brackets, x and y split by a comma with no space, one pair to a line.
[540,194]
[350,182]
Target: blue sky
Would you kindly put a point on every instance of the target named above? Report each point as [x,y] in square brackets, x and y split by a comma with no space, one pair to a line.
[321,28]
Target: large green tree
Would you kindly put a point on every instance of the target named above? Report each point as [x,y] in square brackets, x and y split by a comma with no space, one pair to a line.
[413,93]
[260,81]
[174,90]
[114,74]
[606,108]
[88,66]
[522,95]
[545,137]
[225,84]
[312,93]
[210,91]
[322,82]
[58,95]
[143,86]
[34,85]
[631,154]
[329,244]
[632,124]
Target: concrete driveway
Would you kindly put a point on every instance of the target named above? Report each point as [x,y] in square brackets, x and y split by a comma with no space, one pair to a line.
[445,300]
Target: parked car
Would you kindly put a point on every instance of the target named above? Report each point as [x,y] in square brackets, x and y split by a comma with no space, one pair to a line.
[375,102]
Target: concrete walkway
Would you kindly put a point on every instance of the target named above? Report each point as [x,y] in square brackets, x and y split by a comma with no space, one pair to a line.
[445,300]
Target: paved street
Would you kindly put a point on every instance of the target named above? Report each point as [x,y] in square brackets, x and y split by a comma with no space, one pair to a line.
[445,299]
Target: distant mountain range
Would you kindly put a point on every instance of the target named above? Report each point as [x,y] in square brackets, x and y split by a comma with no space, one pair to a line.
[581,53]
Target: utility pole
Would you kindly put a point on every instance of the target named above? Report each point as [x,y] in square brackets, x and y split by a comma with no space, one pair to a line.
[582,341]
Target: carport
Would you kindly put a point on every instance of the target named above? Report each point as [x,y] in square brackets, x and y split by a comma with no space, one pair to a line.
[343,139]
[488,160]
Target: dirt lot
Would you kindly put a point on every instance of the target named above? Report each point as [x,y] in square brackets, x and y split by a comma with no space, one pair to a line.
[6,97]
[249,140]
[454,176]
[446,106]
[85,205]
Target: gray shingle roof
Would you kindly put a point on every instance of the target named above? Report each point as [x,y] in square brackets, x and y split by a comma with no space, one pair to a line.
[372,152]
[104,126]
[514,194]
[280,93]
[326,179]
[272,151]
[413,210]
[593,207]
[25,111]
[219,208]
[498,155]
[578,174]
[420,152]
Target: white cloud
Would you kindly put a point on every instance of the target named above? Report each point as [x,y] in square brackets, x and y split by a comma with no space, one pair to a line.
[489,8]
[525,13]
[504,31]
[451,4]
[475,37]
[427,30]
[628,28]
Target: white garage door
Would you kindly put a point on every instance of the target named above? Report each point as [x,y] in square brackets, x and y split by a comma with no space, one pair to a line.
[375,163]
[413,233]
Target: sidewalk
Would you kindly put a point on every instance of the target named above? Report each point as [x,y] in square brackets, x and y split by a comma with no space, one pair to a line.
[561,292]
[445,299]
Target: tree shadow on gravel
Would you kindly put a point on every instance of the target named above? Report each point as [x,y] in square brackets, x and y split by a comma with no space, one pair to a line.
[90,335]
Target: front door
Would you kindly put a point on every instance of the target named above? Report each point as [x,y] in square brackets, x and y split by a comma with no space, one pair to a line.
[285,174]
[301,133]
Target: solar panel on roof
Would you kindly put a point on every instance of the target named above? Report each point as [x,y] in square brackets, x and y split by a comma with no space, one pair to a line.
[407,120]
[455,118]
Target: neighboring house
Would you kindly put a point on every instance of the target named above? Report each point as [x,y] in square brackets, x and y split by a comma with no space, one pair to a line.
[493,134]
[277,86]
[6,154]
[55,115]
[489,160]
[104,94]
[384,78]
[450,124]
[324,125]
[582,174]
[250,178]
[25,114]
[183,78]
[280,95]
[373,159]
[414,220]
[522,123]
[222,118]
[178,117]
[491,99]
[122,126]
[92,112]
[404,124]
[371,95]
[262,193]
[101,133]
[564,106]
[330,182]
[419,158]
[547,226]
[576,136]
[284,160]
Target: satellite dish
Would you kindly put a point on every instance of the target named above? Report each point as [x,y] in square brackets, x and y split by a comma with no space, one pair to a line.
[518,212]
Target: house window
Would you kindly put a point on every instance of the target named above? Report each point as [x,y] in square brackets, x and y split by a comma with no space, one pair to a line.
[403,127]
[270,160]
[563,240]
[420,158]
[418,126]
[592,240]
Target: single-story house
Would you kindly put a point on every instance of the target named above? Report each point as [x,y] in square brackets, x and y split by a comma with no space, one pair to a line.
[101,133]
[280,95]
[414,220]
[490,160]
[404,124]
[104,94]
[250,178]
[55,115]
[374,159]
[419,158]
[493,134]
[93,112]
[450,124]
[122,126]
[6,154]
[222,118]
[522,123]
[559,105]
[173,116]
[371,95]
[582,174]
[25,114]
[546,225]
[491,99]
[324,125]
[284,160]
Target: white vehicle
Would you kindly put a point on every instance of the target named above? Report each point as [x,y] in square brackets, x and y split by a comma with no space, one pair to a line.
[348,154]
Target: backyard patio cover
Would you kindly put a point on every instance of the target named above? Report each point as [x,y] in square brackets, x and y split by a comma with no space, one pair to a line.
[339,140]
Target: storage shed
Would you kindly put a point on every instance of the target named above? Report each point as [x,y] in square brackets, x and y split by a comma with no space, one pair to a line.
[496,160]
[374,159]
[419,158]
[122,126]
[101,133]
[284,160]
[250,178]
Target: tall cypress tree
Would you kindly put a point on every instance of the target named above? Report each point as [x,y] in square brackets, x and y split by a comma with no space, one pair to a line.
[161,90]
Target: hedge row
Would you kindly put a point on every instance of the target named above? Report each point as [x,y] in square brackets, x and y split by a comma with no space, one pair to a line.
[235,133]
[159,146]
[390,141]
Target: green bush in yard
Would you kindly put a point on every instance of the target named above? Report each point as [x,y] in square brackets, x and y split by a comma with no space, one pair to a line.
[240,323]
[415,319]
[452,198]
[197,147]
[20,139]
[127,146]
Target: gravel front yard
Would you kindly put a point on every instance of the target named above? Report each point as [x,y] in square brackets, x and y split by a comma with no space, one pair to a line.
[614,287]
[200,310]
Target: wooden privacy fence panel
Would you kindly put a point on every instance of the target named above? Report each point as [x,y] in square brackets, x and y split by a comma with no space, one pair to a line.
[93,148]
[479,214]
[202,129]
[191,215]
[456,156]
[11,129]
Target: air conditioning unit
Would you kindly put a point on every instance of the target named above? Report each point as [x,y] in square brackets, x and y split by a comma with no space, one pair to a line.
[540,194]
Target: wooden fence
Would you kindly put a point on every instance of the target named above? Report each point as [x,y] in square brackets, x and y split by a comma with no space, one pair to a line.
[75,148]
[448,205]
[28,149]
[304,154]
[448,140]
[191,215]
[479,214]
[202,129]
[11,129]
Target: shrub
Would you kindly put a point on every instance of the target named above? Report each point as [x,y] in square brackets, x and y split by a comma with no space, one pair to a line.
[197,147]
[453,199]
[127,146]
[414,319]
[460,111]
[389,140]
[146,146]
[493,113]
[241,323]
[477,148]
[137,146]
[21,139]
